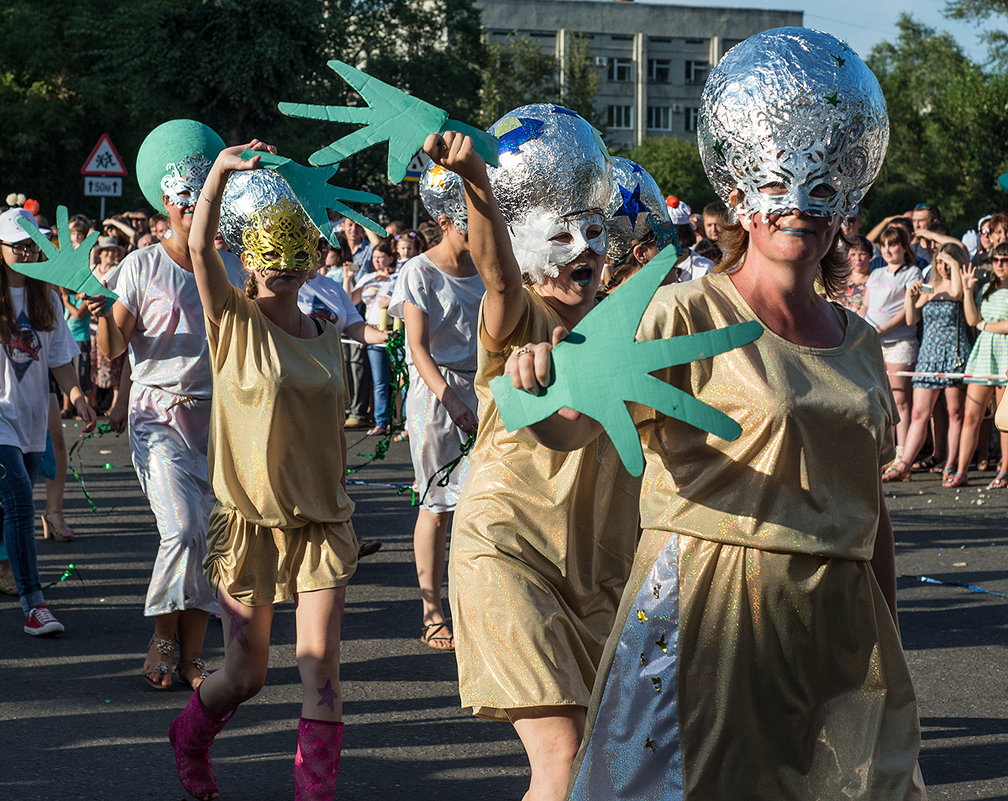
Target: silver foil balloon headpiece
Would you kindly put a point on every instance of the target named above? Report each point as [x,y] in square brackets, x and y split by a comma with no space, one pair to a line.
[554,174]
[261,216]
[636,210]
[441,192]
[796,110]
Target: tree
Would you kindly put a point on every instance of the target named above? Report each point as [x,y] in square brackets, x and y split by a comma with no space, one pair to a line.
[976,10]
[676,167]
[948,124]
[518,72]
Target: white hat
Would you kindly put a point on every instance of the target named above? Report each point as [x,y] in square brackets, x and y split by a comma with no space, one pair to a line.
[678,211]
[10,231]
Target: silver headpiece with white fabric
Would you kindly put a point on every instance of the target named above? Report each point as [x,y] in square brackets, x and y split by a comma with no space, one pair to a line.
[798,108]
[554,176]
[441,192]
[636,210]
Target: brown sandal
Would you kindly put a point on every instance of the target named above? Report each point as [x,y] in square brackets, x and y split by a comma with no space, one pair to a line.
[895,473]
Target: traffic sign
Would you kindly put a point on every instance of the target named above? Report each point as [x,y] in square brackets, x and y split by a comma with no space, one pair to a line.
[102,186]
[104,160]
[415,167]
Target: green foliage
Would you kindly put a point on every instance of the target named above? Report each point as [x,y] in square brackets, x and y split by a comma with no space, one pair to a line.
[676,167]
[121,67]
[517,72]
[977,10]
[948,123]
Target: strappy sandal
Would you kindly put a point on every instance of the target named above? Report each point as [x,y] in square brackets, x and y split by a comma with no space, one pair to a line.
[430,636]
[1000,481]
[200,667]
[957,480]
[895,473]
[56,532]
[925,464]
[156,675]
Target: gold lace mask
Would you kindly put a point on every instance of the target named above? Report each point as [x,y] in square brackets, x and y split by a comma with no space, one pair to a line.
[280,237]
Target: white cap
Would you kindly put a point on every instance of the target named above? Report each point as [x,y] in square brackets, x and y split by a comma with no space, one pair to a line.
[678,211]
[10,231]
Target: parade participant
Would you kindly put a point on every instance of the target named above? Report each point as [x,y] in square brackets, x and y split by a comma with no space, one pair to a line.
[552,533]
[637,223]
[757,633]
[34,340]
[438,295]
[159,318]
[281,527]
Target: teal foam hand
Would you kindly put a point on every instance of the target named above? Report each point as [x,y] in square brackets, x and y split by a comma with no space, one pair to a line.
[390,116]
[65,266]
[315,193]
[601,365]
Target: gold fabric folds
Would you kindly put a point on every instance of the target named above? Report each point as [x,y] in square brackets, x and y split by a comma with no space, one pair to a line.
[541,546]
[275,458]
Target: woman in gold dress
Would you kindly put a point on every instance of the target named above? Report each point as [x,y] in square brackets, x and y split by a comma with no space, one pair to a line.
[542,541]
[757,654]
[281,526]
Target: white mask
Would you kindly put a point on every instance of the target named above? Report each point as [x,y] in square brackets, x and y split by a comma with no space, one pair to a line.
[539,257]
[187,175]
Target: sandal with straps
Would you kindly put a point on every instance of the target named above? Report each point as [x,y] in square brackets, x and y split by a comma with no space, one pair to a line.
[156,675]
[1000,481]
[896,473]
[432,636]
[956,480]
[199,665]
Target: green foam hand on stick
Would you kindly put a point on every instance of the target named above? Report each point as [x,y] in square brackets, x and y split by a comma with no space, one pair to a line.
[601,365]
[390,116]
[316,195]
[65,266]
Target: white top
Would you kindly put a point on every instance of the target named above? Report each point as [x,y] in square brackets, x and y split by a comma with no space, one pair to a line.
[24,375]
[371,291]
[695,266]
[886,296]
[168,348]
[324,298]
[452,309]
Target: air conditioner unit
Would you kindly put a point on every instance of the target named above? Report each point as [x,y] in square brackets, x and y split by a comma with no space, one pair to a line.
[601,61]
[676,108]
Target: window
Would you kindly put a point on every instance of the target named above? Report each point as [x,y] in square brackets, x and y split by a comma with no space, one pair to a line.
[696,71]
[620,69]
[691,114]
[659,70]
[695,41]
[659,118]
[620,117]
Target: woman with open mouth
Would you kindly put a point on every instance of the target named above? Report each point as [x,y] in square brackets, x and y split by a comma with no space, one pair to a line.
[552,533]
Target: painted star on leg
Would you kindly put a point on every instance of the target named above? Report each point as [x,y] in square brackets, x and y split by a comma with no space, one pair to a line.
[327,696]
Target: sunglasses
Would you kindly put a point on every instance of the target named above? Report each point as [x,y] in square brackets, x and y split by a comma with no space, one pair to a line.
[924,206]
[22,248]
[985,231]
[411,235]
[1000,260]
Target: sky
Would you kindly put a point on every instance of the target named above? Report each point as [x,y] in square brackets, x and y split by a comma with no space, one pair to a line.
[863,23]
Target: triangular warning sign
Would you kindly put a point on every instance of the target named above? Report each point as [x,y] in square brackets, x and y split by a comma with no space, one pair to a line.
[104,159]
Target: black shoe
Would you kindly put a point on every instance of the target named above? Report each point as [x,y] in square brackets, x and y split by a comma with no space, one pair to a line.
[368,548]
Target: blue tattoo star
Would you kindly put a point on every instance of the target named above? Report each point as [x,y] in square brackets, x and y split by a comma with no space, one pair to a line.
[632,204]
[327,696]
[561,110]
[512,141]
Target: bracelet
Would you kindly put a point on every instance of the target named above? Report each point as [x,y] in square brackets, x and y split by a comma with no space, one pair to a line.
[981,325]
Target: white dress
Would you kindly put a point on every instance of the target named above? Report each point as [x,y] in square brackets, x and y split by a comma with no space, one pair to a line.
[452,308]
[169,422]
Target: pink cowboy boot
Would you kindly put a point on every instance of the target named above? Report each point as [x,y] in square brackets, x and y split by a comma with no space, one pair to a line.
[191,735]
[317,760]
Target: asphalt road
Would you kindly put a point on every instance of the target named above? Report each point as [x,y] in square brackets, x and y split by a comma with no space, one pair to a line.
[78,722]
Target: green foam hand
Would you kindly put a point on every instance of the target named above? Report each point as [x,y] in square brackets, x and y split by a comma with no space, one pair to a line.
[65,266]
[315,193]
[601,365]
[390,116]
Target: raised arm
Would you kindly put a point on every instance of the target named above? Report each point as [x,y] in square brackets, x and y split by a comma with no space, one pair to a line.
[489,242]
[211,277]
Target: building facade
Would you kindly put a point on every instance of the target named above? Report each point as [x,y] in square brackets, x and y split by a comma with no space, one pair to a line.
[652,59]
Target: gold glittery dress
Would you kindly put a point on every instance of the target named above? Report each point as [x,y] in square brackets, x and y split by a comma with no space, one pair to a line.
[282,521]
[755,656]
[542,544]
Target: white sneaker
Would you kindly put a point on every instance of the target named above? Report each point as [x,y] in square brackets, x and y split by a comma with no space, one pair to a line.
[40,621]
